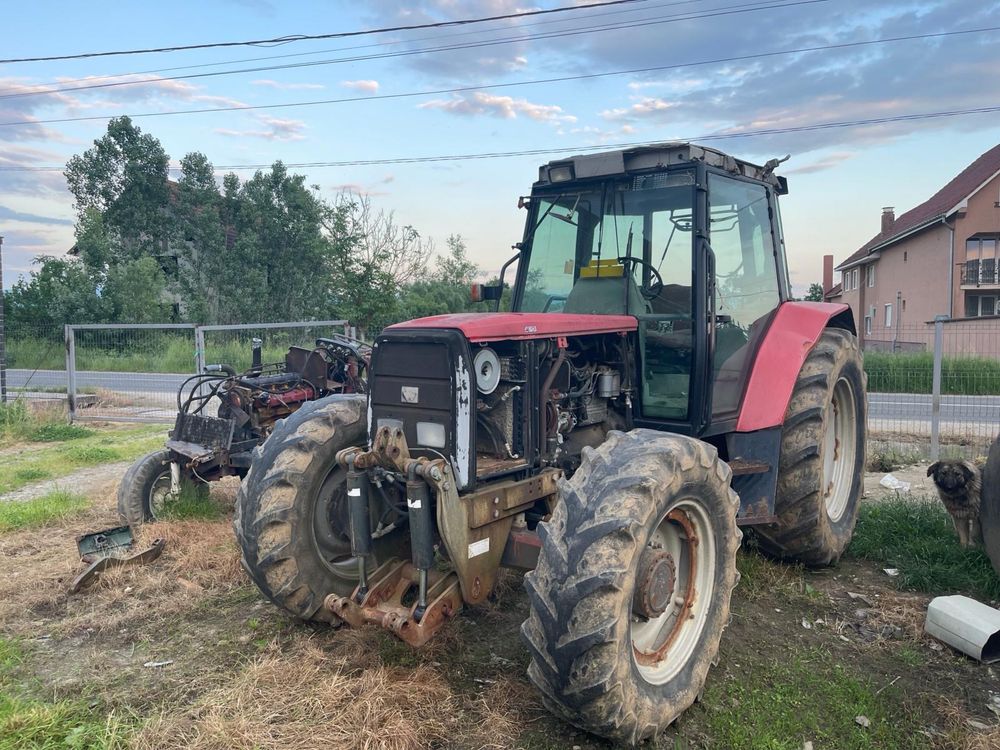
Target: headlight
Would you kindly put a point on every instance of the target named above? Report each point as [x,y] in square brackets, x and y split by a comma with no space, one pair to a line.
[430,434]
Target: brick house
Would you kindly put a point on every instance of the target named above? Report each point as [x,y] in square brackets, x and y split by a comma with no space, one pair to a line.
[939,258]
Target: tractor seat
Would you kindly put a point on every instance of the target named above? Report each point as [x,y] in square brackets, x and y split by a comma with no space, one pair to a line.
[605,295]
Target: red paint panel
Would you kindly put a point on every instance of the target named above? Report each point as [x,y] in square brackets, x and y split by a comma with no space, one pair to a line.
[796,327]
[480,327]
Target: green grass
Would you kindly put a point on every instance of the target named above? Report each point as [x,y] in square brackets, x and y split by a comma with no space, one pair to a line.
[39,511]
[806,696]
[193,503]
[54,460]
[19,423]
[28,723]
[913,373]
[156,351]
[919,539]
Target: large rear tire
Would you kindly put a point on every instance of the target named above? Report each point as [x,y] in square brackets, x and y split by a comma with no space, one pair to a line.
[821,468]
[989,514]
[632,588]
[291,518]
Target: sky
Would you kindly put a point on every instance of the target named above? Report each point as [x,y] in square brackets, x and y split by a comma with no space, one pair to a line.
[839,177]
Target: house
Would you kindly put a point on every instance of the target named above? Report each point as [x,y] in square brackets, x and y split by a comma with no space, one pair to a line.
[939,258]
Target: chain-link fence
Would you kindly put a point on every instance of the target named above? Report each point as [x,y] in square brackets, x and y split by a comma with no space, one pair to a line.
[36,363]
[132,373]
[934,388]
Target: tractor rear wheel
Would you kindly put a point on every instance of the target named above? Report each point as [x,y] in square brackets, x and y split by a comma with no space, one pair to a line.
[291,519]
[821,467]
[632,588]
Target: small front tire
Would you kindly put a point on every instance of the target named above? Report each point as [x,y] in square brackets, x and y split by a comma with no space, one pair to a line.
[144,492]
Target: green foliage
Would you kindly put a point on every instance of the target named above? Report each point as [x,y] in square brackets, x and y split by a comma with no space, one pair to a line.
[123,177]
[815,293]
[19,423]
[884,458]
[806,695]
[60,291]
[919,539]
[40,510]
[134,292]
[914,373]
[32,724]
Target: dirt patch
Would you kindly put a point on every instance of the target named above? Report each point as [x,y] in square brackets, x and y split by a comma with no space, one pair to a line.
[90,481]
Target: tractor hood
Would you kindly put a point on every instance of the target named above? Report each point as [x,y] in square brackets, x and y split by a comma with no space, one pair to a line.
[482,327]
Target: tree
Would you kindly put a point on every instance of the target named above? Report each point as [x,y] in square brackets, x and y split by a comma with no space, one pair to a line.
[397,251]
[124,179]
[447,289]
[61,291]
[199,237]
[815,293]
[134,292]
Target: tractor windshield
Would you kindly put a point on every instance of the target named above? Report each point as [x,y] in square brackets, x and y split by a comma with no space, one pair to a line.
[622,246]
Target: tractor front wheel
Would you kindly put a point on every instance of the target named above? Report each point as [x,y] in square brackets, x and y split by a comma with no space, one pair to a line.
[632,588]
[292,519]
[820,470]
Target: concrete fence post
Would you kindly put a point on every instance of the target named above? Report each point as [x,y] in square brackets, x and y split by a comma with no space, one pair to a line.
[936,387]
[70,372]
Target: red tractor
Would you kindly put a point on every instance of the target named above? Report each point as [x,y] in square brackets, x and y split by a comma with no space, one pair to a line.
[654,389]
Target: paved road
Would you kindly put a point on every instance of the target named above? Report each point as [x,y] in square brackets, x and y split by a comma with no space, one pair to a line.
[913,407]
[906,407]
[127,382]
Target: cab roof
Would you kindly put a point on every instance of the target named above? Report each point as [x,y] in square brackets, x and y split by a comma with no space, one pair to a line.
[657,155]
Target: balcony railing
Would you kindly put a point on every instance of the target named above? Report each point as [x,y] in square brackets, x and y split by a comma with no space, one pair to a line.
[980,273]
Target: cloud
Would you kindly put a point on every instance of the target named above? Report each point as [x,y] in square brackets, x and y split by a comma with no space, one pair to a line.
[494,105]
[647,106]
[286,86]
[368,86]
[275,129]
[9,214]
[372,188]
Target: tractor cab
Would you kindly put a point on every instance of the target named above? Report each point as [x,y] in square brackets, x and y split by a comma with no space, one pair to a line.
[685,239]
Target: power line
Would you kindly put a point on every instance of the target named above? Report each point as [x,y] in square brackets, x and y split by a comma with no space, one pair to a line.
[730,135]
[360,46]
[513,84]
[313,37]
[656,20]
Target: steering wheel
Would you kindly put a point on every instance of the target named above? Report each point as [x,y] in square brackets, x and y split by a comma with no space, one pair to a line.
[656,284]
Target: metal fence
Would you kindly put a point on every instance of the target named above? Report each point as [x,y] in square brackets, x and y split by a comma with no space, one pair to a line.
[131,373]
[934,388]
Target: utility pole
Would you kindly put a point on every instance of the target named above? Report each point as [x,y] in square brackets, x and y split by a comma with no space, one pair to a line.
[3,336]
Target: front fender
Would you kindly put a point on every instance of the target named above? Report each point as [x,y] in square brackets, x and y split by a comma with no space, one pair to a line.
[793,332]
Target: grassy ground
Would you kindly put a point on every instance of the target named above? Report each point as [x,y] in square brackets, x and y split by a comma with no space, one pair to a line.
[148,351]
[801,660]
[913,373]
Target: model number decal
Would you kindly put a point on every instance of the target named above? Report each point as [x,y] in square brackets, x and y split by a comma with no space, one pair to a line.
[409,394]
[479,548]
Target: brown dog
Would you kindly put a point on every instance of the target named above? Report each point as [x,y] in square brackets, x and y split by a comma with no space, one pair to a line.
[959,483]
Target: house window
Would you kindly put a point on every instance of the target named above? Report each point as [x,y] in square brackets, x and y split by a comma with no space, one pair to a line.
[978,305]
[888,316]
[980,260]
[868,325]
[854,279]
[904,256]
[870,273]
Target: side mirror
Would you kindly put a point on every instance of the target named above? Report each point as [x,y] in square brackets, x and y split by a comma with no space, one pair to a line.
[485,292]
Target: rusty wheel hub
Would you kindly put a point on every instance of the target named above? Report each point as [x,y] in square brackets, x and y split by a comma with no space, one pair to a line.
[655,584]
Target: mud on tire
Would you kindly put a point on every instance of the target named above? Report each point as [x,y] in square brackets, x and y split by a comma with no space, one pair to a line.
[289,522]
[821,467]
[581,631]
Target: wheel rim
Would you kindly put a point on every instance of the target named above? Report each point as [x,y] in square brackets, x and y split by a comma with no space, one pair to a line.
[330,526]
[662,644]
[840,450]
[159,495]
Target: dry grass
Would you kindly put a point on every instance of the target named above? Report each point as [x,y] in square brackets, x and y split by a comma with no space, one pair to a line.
[200,559]
[307,698]
[959,734]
